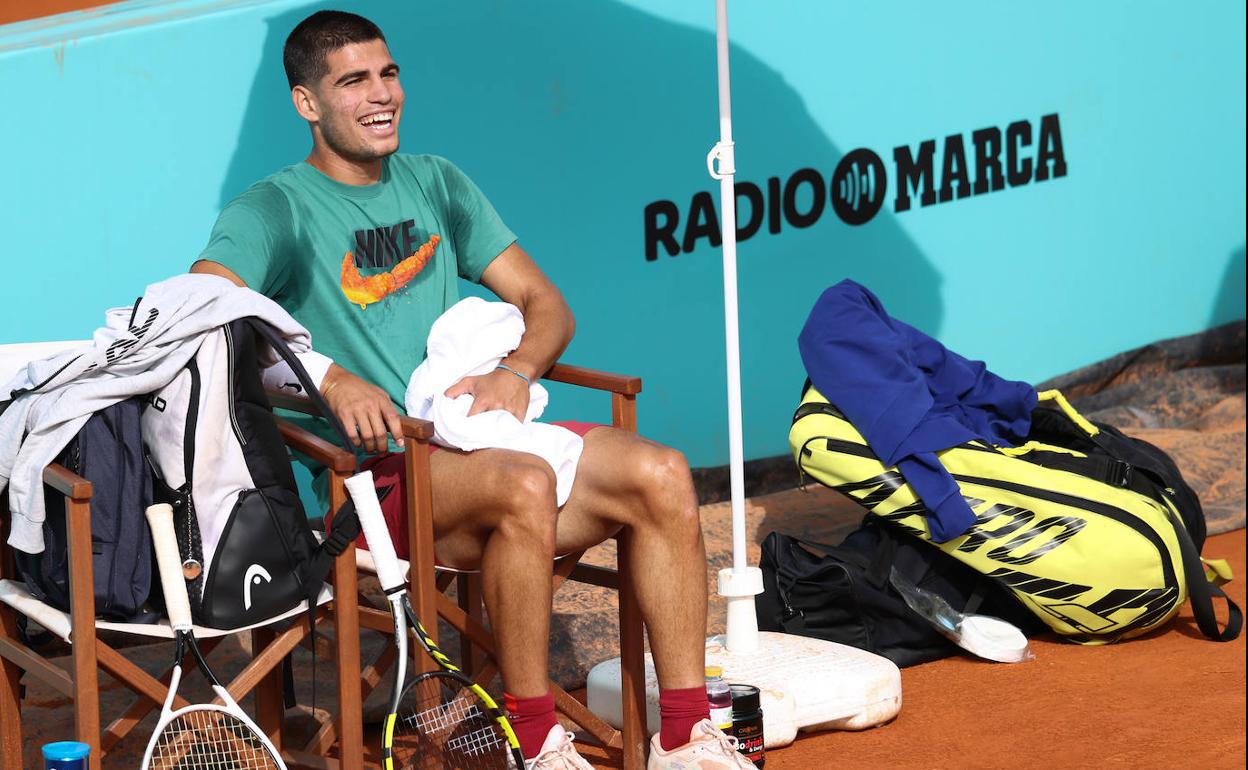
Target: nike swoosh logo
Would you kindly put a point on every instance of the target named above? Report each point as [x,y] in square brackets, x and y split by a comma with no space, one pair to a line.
[365,290]
[256,575]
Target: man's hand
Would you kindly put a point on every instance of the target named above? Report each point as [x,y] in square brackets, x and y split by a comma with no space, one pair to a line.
[500,389]
[365,409]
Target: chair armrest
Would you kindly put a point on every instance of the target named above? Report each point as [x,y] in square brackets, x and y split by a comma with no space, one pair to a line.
[71,485]
[281,400]
[422,430]
[412,427]
[330,455]
[592,378]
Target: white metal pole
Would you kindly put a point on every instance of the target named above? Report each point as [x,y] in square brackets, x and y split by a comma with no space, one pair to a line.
[740,584]
[805,682]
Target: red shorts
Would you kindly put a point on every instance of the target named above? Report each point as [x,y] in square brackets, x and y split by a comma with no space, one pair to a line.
[388,475]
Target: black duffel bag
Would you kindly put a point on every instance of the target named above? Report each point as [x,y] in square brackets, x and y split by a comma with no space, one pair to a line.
[843,593]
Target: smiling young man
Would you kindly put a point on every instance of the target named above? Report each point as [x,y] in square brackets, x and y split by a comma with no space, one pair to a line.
[365,247]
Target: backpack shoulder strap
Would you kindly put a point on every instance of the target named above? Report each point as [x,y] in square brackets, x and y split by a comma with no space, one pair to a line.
[275,341]
[345,527]
[1201,592]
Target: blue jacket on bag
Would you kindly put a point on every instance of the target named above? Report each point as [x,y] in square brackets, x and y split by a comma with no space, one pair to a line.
[909,396]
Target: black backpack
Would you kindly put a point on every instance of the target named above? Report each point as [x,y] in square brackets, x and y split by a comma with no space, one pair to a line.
[264,558]
[108,452]
[248,551]
[844,594]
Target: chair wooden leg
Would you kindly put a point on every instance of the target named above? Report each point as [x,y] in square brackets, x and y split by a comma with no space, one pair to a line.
[468,590]
[347,635]
[632,668]
[10,698]
[270,703]
[10,673]
[82,598]
[422,592]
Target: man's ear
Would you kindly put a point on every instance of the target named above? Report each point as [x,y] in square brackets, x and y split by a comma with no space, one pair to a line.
[305,103]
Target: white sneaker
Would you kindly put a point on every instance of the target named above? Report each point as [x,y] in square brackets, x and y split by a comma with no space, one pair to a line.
[557,753]
[708,749]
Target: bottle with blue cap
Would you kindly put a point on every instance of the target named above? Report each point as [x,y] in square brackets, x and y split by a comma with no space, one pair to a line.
[65,755]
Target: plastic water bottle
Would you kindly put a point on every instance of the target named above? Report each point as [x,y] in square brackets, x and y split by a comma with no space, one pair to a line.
[65,755]
[720,696]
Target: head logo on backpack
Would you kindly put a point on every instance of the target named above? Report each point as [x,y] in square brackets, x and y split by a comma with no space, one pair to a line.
[254,577]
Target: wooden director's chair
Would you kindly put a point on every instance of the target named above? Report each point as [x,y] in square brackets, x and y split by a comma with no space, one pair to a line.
[466,615]
[270,643]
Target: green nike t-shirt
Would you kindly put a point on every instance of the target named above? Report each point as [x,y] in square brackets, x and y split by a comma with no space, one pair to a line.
[366,268]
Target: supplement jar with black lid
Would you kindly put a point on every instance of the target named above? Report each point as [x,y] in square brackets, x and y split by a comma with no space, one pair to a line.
[747,722]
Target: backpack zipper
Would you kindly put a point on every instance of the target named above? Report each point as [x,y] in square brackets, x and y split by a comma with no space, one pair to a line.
[229,363]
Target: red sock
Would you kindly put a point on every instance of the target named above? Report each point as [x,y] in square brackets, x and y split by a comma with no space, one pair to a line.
[679,711]
[531,718]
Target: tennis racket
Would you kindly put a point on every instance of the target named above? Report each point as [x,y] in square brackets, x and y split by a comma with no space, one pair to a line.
[442,719]
[200,735]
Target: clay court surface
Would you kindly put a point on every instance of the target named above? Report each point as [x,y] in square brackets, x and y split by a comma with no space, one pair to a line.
[1168,700]
[1171,699]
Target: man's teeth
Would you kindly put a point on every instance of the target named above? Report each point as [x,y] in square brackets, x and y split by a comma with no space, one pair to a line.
[381,117]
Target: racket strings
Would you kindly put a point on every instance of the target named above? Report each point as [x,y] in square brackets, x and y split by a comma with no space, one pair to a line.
[447,728]
[210,740]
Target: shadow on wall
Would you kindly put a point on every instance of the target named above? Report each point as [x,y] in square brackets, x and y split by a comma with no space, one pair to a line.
[573,115]
[1229,305]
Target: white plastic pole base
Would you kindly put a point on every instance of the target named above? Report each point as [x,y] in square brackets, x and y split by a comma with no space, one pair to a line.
[739,587]
[806,684]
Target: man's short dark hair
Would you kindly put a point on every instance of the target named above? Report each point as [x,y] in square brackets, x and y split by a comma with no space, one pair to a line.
[319,35]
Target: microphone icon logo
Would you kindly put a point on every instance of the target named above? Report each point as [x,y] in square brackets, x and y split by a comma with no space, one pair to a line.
[858,186]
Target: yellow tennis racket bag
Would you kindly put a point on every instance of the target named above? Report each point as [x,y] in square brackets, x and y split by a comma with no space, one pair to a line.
[1093,531]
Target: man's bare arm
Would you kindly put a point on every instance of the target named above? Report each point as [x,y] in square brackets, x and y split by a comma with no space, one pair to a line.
[549,326]
[208,267]
[366,410]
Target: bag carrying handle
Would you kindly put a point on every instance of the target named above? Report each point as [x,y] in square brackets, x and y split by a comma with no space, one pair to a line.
[1056,397]
[1088,427]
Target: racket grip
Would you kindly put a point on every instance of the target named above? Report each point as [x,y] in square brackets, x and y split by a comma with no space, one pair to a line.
[373,522]
[169,562]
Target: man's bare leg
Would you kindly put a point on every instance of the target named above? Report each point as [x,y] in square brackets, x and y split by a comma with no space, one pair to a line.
[630,483]
[494,510]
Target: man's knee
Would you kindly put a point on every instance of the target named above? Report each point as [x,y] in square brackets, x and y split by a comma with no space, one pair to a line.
[525,495]
[664,482]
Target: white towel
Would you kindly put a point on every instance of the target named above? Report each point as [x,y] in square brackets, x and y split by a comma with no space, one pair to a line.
[470,339]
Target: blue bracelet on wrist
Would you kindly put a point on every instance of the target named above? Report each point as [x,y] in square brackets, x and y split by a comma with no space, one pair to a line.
[507,368]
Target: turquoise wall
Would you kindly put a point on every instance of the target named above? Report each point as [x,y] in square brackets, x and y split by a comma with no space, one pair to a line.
[125,130]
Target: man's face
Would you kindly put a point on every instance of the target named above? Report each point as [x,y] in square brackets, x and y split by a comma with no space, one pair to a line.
[360,101]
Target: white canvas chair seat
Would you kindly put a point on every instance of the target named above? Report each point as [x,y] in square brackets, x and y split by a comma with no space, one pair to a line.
[57,621]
